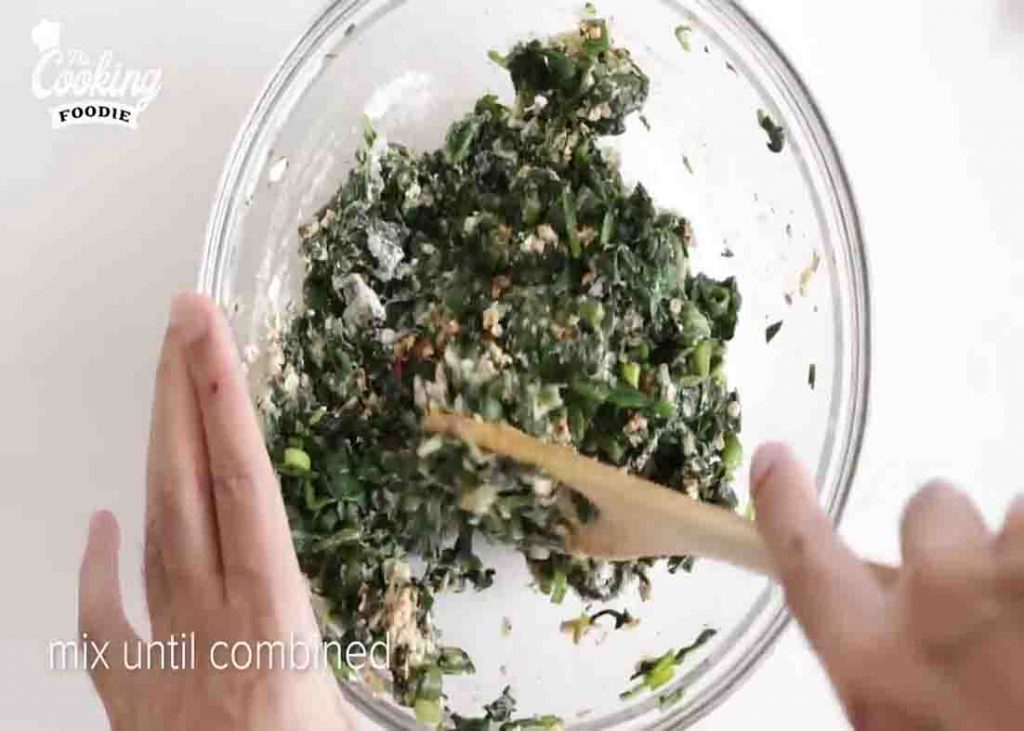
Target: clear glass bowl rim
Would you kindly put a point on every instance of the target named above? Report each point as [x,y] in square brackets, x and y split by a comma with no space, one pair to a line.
[218,259]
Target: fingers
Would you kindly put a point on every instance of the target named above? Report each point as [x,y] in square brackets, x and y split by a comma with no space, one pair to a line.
[254,538]
[158,590]
[1011,537]
[940,523]
[1009,550]
[830,591]
[948,568]
[101,618]
[181,523]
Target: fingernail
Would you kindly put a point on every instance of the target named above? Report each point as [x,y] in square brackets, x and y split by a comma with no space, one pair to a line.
[97,524]
[187,320]
[99,518]
[765,458]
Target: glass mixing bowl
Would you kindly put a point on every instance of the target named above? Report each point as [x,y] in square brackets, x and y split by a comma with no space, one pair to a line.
[784,224]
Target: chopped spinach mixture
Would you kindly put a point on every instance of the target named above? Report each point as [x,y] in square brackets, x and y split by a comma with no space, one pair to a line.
[511,274]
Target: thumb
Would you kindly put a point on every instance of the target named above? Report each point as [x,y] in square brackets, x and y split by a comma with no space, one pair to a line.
[101,619]
[827,586]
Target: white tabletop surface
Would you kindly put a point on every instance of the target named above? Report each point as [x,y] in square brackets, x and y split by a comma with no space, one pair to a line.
[100,226]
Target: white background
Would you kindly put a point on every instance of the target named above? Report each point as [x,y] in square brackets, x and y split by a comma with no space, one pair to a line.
[99,226]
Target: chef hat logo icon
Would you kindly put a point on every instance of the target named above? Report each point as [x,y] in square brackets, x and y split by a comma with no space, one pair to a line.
[46,35]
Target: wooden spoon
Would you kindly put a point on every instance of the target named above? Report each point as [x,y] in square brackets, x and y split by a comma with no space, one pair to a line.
[637,518]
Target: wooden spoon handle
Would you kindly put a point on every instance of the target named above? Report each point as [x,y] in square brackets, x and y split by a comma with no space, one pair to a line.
[638,518]
[672,527]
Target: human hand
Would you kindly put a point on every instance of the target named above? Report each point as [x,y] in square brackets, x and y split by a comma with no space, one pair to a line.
[940,648]
[218,559]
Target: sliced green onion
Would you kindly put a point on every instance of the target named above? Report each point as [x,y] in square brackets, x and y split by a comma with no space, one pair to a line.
[732,452]
[631,373]
[297,459]
[428,711]
[558,587]
[701,358]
